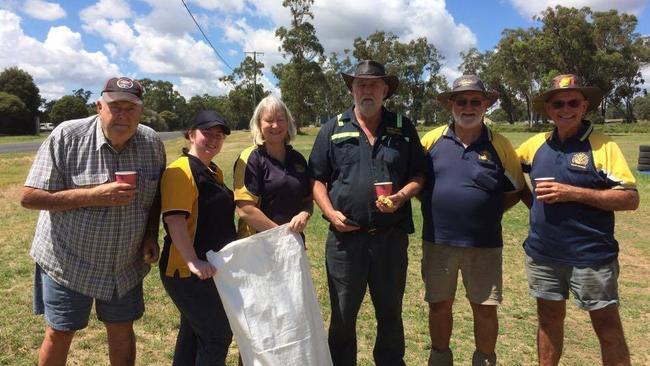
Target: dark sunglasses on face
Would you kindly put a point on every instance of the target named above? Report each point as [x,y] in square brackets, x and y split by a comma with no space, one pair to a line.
[573,103]
[463,102]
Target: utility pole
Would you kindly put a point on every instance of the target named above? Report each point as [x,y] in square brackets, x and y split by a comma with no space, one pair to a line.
[255,53]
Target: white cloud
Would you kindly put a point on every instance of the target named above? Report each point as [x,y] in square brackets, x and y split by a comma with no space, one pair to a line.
[190,86]
[251,39]
[170,16]
[106,9]
[59,64]
[529,8]
[43,10]
[224,5]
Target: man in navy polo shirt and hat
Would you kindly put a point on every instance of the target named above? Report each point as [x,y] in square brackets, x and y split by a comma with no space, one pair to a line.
[96,237]
[580,178]
[475,176]
[367,242]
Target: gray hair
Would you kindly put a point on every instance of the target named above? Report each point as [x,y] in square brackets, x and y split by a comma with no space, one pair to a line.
[273,104]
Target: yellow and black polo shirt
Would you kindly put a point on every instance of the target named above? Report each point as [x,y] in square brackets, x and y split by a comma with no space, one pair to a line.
[191,188]
[570,232]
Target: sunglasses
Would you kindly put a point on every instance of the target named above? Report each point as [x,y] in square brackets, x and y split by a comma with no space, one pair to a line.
[463,102]
[573,103]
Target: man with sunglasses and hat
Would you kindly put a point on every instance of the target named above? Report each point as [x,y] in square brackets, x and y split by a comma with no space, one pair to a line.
[96,236]
[579,179]
[474,177]
[366,246]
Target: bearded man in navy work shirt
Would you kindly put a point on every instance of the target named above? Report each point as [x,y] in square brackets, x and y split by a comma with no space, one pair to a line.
[367,241]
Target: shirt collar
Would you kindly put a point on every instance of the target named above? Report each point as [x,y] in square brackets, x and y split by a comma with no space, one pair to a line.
[586,127]
[486,133]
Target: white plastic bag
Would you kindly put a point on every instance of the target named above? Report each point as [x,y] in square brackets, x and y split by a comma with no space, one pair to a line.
[269,298]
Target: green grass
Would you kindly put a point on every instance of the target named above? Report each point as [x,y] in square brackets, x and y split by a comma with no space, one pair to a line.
[23,138]
[21,332]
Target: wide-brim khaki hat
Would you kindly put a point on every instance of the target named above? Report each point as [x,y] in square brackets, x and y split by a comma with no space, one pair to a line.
[369,69]
[466,83]
[568,82]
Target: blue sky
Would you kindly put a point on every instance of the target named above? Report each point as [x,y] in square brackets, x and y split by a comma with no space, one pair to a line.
[68,45]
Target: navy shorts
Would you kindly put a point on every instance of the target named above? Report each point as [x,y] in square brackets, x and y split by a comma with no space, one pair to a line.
[66,310]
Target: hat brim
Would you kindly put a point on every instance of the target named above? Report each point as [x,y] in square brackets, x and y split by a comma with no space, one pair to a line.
[443,98]
[390,80]
[111,97]
[591,93]
[210,124]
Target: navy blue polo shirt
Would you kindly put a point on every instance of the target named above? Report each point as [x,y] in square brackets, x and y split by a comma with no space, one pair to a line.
[344,160]
[570,232]
[462,201]
[191,188]
[278,189]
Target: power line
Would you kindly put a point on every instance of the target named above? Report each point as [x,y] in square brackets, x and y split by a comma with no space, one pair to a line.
[206,37]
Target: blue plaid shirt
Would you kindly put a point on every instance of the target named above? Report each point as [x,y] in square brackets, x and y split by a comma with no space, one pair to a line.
[94,250]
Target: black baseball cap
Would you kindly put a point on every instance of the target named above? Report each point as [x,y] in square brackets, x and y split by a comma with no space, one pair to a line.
[203,120]
[122,88]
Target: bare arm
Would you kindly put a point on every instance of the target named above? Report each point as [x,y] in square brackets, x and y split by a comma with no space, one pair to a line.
[604,199]
[177,226]
[334,216]
[107,195]
[253,216]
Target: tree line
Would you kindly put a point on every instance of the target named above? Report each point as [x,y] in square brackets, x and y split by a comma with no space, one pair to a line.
[602,47]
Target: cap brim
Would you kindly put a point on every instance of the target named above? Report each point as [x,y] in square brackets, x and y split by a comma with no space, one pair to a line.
[210,124]
[591,93]
[443,98]
[111,97]
[390,80]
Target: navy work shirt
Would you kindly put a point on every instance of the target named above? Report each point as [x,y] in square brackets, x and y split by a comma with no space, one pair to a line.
[344,160]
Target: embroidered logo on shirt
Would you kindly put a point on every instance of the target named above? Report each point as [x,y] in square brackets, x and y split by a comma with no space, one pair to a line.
[484,155]
[580,160]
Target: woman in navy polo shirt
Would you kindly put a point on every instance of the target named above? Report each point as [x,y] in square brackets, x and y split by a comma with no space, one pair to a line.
[198,214]
[271,181]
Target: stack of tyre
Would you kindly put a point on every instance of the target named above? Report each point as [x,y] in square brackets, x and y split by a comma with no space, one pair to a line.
[644,159]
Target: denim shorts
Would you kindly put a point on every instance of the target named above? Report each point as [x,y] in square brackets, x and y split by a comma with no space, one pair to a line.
[66,310]
[592,287]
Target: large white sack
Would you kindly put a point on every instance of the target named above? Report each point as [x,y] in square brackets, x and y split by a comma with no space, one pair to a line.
[269,298]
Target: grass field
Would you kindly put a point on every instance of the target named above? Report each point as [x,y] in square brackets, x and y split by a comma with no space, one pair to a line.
[21,333]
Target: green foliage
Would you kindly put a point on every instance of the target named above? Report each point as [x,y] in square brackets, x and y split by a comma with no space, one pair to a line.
[161,96]
[300,78]
[21,84]
[245,93]
[642,107]
[67,108]
[13,113]
[152,119]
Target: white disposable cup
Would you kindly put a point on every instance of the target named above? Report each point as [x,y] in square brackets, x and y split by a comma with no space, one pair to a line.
[544,179]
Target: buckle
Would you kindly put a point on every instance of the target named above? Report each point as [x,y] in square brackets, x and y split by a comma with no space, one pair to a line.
[372,230]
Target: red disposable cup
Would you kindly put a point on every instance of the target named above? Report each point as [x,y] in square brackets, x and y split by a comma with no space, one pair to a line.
[384,188]
[129,177]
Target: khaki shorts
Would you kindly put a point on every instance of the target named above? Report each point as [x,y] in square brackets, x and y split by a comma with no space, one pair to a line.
[480,268]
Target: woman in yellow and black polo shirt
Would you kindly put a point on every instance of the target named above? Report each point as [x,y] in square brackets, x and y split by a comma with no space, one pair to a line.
[198,214]
[271,182]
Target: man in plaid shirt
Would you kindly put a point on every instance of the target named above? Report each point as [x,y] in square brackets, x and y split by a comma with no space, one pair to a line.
[95,237]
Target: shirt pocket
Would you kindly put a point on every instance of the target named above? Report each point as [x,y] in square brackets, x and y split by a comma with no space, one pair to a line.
[394,149]
[88,180]
[486,175]
[346,151]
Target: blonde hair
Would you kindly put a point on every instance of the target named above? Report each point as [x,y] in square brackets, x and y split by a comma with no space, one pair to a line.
[273,104]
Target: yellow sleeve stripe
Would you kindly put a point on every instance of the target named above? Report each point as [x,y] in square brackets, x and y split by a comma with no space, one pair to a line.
[609,159]
[527,150]
[239,186]
[509,159]
[430,138]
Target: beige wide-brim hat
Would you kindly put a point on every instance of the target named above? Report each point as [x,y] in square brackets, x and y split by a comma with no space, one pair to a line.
[463,84]
[369,69]
[568,82]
